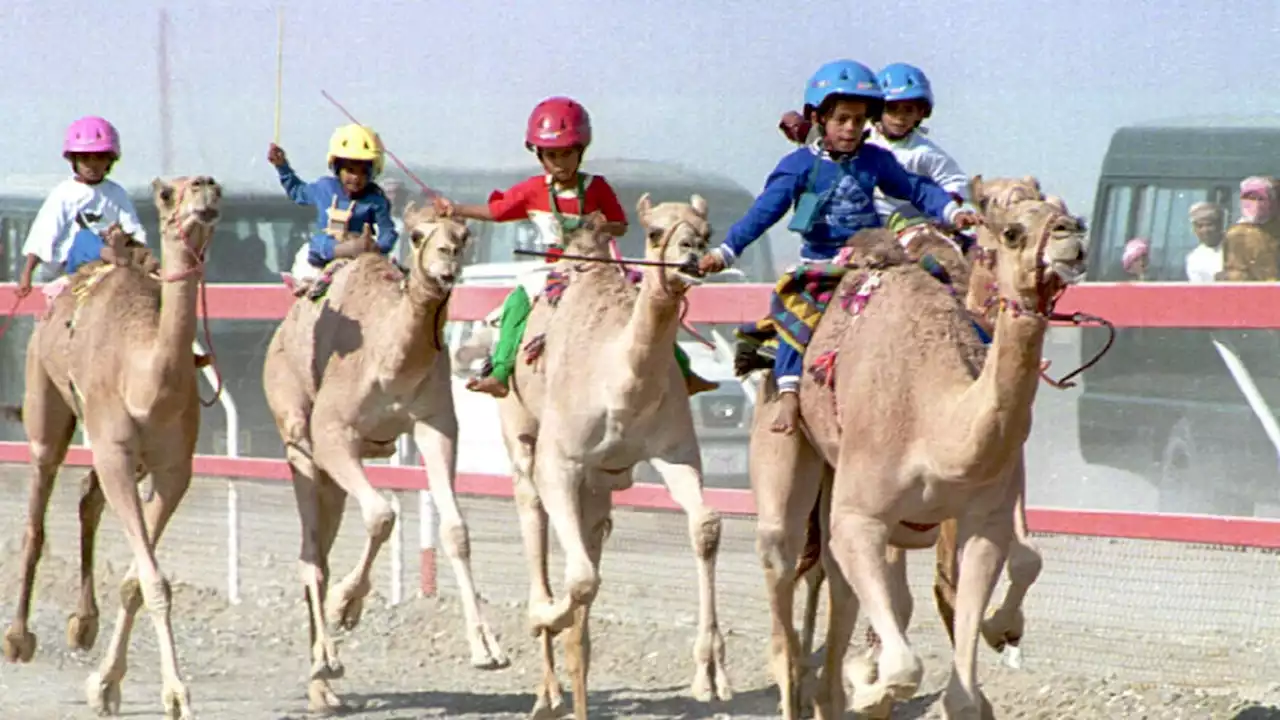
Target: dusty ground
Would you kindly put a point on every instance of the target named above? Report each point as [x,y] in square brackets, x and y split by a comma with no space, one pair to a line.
[248,661]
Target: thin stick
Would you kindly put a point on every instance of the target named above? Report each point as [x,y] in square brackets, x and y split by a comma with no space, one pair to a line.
[279,68]
[396,160]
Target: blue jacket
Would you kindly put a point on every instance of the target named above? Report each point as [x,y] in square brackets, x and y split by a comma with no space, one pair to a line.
[371,207]
[847,189]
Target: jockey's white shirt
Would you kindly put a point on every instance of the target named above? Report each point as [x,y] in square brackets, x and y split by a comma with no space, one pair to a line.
[919,155]
[101,205]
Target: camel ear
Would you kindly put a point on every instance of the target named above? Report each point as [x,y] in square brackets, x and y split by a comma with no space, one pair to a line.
[978,192]
[699,205]
[643,208]
[163,192]
[1033,182]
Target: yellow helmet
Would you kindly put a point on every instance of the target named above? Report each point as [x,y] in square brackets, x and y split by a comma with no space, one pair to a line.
[356,142]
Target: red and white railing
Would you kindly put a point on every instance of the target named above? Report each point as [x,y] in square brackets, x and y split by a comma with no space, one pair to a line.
[1154,305]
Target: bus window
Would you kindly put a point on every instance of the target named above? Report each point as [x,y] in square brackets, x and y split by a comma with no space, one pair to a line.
[1119,206]
[1163,219]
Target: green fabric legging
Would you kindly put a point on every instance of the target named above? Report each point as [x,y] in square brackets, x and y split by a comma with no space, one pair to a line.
[515,315]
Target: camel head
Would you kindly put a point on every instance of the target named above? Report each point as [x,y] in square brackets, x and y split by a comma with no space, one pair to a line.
[676,233]
[1004,192]
[437,243]
[189,208]
[1039,248]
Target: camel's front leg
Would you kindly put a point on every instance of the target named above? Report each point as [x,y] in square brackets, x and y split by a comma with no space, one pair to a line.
[336,452]
[863,671]
[560,481]
[1004,627]
[859,544]
[436,440]
[596,510]
[82,625]
[985,541]
[144,584]
[684,480]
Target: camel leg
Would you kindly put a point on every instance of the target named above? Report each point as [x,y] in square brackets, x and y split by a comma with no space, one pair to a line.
[549,696]
[596,508]
[863,671]
[82,625]
[1003,629]
[786,478]
[336,450]
[320,504]
[944,580]
[436,439]
[860,545]
[559,481]
[144,584]
[985,541]
[684,481]
[842,616]
[49,424]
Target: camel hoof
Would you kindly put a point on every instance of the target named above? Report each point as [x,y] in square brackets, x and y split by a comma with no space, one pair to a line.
[331,669]
[544,617]
[322,700]
[548,709]
[967,711]
[873,702]
[861,671]
[177,703]
[348,605]
[19,645]
[1013,657]
[710,679]
[103,696]
[82,631]
[486,653]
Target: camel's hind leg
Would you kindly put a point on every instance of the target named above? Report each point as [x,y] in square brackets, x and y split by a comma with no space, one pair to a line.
[49,423]
[436,438]
[683,479]
[842,615]
[82,625]
[786,478]
[116,465]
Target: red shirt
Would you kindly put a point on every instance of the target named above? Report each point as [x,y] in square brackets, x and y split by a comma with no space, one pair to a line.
[530,200]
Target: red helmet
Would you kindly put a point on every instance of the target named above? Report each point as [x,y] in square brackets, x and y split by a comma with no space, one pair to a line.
[558,122]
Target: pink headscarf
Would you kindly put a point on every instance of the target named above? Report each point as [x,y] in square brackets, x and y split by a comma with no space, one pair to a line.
[1138,248]
[1257,199]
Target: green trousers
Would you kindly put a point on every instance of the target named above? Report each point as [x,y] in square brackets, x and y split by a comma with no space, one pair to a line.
[515,315]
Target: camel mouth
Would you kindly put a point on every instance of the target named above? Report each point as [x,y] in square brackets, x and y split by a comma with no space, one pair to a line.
[204,216]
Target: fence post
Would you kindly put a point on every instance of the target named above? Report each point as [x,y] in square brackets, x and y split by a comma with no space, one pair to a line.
[233,491]
[428,527]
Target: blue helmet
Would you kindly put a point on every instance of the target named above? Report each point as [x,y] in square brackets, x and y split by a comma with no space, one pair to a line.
[901,81]
[845,78]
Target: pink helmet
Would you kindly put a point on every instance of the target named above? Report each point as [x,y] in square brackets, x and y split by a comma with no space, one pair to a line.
[1136,249]
[558,122]
[91,134]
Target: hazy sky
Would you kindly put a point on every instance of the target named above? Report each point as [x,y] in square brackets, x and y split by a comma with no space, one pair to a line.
[1022,87]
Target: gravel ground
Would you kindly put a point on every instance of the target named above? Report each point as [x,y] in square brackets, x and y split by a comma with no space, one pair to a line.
[249,661]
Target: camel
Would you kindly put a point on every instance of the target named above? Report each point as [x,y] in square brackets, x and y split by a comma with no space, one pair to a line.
[1039,248]
[1003,629]
[116,354]
[603,393]
[345,377]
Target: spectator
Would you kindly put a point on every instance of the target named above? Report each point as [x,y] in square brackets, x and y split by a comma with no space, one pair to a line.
[1137,254]
[1251,249]
[1205,261]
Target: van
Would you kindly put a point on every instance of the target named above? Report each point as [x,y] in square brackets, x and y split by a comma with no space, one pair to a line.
[1172,404]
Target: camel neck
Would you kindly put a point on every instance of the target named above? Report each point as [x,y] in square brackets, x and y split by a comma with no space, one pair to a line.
[418,322]
[995,411]
[177,325]
[652,329]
